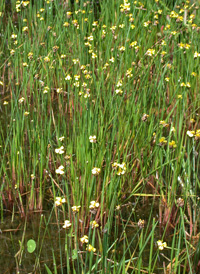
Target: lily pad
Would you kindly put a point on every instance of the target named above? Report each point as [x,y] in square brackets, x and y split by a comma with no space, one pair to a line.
[31,246]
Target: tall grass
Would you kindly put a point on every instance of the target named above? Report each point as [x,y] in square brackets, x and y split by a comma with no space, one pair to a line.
[126,73]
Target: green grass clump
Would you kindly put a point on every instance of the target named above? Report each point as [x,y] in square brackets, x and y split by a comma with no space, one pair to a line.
[100,133]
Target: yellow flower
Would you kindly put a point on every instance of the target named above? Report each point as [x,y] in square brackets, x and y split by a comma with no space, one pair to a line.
[59,150]
[67,224]
[12,51]
[188,85]
[25,29]
[75,209]
[60,170]
[161,245]
[119,91]
[94,55]
[47,59]
[59,201]
[162,141]
[96,171]
[94,224]
[196,54]
[61,138]
[191,133]
[13,36]
[172,144]
[122,48]
[46,89]
[121,168]
[66,24]
[30,55]
[93,205]
[59,90]
[163,123]
[150,52]
[90,248]
[84,239]
[21,100]
[197,134]
[68,78]
[93,139]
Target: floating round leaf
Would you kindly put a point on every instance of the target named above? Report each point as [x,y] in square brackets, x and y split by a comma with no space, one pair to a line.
[31,246]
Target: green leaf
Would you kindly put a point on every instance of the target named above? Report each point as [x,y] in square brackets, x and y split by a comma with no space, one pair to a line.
[74,254]
[47,269]
[31,246]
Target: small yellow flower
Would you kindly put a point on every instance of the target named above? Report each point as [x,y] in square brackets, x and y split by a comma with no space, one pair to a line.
[191,133]
[84,239]
[67,224]
[188,85]
[121,168]
[197,134]
[59,90]
[66,24]
[61,138]
[161,244]
[93,139]
[196,54]
[59,150]
[30,55]
[68,78]
[14,36]
[162,141]
[150,52]
[26,113]
[46,89]
[122,48]
[47,59]
[25,29]
[94,224]
[21,100]
[75,209]
[172,144]
[96,171]
[180,96]
[12,51]
[94,55]
[60,170]
[91,248]
[93,205]
[119,91]
[59,201]
[163,123]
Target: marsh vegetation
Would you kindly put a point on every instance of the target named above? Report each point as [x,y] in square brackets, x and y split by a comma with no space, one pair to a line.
[99,136]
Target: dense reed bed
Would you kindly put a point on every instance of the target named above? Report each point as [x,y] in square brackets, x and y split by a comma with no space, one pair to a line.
[99,136]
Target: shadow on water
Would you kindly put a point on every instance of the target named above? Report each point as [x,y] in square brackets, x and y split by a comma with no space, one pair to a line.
[16,232]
